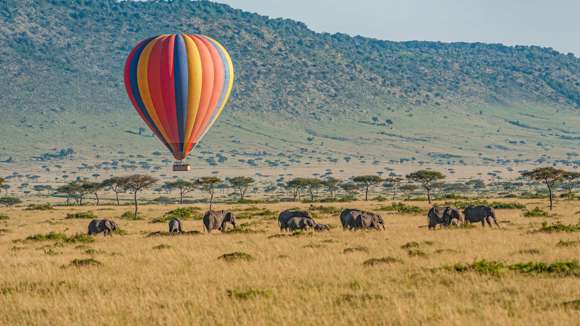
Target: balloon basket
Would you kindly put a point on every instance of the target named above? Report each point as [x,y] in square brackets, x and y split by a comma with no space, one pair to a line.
[181,167]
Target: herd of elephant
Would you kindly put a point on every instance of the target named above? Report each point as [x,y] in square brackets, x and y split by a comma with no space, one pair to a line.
[351,219]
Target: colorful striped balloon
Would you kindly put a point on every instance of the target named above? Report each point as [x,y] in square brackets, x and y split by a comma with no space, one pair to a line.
[179,84]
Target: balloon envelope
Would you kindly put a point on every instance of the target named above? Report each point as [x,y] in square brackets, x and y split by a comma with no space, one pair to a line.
[179,84]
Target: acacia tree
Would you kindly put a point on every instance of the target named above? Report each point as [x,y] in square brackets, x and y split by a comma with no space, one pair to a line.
[88,187]
[549,176]
[115,184]
[427,179]
[408,189]
[209,184]
[71,190]
[296,185]
[367,181]
[312,184]
[394,184]
[184,187]
[331,185]
[241,184]
[349,188]
[136,183]
[569,179]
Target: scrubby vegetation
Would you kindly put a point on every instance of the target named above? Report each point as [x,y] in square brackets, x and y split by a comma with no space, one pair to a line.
[39,207]
[536,212]
[81,215]
[560,268]
[401,208]
[236,256]
[558,227]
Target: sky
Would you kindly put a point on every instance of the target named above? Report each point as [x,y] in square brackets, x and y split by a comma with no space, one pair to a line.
[548,23]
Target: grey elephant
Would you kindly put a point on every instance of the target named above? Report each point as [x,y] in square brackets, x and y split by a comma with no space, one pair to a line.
[483,214]
[218,220]
[321,227]
[369,221]
[288,214]
[107,227]
[349,217]
[300,223]
[175,226]
[439,215]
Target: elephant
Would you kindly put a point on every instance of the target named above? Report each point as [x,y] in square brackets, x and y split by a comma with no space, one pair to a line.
[349,217]
[483,214]
[217,220]
[175,226]
[300,223]
[286,215]
[439,215]
[321,227]
[105,226]
[369,221]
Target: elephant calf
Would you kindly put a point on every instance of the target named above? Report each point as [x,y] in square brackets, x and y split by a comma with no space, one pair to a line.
[445,216]
[175,226]
[107,227]
[217,220]
[321,227]
[483,214]
[300,223]
[286,215]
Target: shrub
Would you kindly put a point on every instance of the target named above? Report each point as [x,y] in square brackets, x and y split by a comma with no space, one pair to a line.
[401,208]
[80,237]
[412,244]
[85,262]
[536,212]
[9,201]
[561,268]
[131,216]
[181,213]
[461,204]
[356,249]
[248,293]
[481,266]
[380,261]
[39,207]
[558,227]
[564,243]
[81,215]
[162,246]
[4,217]
[416,253]
[236,256]
[61,237]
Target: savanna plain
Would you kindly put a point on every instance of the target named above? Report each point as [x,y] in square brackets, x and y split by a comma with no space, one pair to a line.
[524,273]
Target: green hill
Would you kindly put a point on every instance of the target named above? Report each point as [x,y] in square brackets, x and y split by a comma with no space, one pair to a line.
[300,97]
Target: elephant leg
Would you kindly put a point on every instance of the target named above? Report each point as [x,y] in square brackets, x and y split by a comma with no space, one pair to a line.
[483,223]
[495,222]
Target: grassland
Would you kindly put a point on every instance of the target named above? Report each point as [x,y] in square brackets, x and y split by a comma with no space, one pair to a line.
[404,275]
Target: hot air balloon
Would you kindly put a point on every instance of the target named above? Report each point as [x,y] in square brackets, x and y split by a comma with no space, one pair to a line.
[179,84]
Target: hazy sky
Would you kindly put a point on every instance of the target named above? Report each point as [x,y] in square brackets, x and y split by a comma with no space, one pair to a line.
[550,23]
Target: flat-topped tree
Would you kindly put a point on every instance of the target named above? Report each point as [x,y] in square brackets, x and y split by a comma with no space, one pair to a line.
[331,185]
[296,185]
[312,184]
[184,187]
[135,184]
[88,187]
[427,179]
[549,176]
[570,179]
[115,184]
[393,183]
[209,184]
[366,182]
[408,189]
[241,184]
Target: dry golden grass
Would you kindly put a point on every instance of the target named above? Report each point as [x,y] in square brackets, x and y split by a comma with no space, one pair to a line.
[307,280]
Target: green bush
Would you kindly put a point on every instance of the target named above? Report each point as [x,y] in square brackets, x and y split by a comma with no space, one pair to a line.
[9,201]
[402,208]
[4,217]
[571,243]
[536,212]
[131,216]
[355,249]
[461,204]
[81,215]
[56,236]
[558,227]
[248,293]
[559,268]
[181,213]
[39,207]
[85,262]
